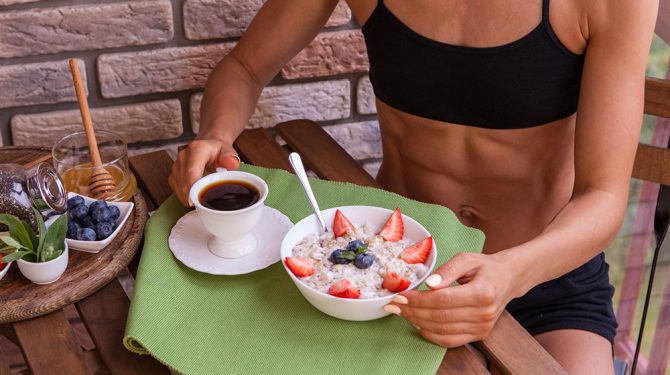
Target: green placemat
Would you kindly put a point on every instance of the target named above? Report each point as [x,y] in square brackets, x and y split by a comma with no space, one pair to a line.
[259,323]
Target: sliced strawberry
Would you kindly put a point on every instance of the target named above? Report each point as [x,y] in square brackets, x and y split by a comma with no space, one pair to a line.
[341,225]
[393,229]
[2,265]
[299,266]
[418,253]
[394,282]
[344,289]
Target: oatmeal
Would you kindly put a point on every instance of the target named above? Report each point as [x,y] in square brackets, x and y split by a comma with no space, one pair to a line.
[361,256]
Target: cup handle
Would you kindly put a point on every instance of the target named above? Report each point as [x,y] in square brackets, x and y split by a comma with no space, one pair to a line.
[221,169]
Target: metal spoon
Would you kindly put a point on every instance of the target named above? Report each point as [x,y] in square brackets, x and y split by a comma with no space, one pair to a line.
[299,169]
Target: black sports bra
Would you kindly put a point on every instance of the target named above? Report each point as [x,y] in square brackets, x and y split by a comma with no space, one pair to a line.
[529,82]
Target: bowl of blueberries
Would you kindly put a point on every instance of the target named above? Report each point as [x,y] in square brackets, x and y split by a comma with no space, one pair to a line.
[93,224]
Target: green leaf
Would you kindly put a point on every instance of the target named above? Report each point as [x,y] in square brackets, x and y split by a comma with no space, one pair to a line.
[31,235]
[30,258]
[349,255]
[54,239]
[47,253]
[11,242]
[15,256]
[361,249]
[42,231]
[17,230]
[57,253]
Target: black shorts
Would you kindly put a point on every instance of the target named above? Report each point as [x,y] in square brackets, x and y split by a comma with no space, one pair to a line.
[580,299]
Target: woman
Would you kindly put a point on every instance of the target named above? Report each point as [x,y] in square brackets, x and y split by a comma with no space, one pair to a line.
[522,116]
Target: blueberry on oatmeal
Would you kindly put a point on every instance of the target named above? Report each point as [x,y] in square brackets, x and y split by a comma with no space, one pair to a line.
[355,245]
[364,260]
[340,256]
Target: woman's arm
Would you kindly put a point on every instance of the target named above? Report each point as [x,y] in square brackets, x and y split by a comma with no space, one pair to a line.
[278,32]
[609,119]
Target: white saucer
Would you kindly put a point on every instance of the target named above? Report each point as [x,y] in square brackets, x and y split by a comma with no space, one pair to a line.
[188,243]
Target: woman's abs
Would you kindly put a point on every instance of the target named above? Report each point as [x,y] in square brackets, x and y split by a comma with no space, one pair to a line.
[508,183]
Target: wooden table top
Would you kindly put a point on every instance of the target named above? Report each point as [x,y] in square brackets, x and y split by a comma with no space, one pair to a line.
[57,343]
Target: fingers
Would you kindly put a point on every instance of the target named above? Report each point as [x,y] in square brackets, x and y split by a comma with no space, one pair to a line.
[441,316]
[451,297]
[228,159]
[447,341]
[461,267]
[190,166]
[446,329]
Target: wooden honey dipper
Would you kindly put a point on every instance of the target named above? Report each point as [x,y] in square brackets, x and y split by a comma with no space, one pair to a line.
[101,184]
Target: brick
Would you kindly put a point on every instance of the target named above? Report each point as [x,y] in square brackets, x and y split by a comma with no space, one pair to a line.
[170,148]
[330,53]
[360,139]
[162,70]
[135,123]
[39,83]
[365,97]
[341,15]
[10,2]
[372,168]
[212,19]
[79,28]
[318,101]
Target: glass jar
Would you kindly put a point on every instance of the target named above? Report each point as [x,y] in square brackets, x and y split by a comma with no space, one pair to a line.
[22,188]
[72,160]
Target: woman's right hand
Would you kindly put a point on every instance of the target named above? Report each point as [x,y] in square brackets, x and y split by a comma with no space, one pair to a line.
[192,161]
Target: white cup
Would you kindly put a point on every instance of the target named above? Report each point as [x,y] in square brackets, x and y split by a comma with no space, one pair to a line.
[230,230]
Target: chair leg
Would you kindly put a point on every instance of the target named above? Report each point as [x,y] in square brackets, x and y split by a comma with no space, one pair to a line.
[620,367]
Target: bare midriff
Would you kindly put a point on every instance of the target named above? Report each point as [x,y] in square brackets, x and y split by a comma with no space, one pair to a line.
[509,183]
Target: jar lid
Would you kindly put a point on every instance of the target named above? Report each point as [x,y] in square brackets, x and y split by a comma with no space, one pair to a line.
[46,189]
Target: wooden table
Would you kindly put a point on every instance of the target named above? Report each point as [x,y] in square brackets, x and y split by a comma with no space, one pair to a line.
[57,343]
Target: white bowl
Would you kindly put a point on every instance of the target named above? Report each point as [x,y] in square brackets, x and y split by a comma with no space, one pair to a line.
[344,308]
[4,271]
[46,272]
[125,208]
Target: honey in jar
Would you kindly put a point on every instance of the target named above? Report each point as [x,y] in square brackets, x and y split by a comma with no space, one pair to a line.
[76,179]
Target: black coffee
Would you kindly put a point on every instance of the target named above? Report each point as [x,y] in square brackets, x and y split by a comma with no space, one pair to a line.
[229,195]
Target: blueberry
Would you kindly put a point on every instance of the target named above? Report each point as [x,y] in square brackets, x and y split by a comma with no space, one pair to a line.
[103,230]
[364,260]
[101,214]
[72,229]
[86,222]
[95,205]
[86,234]
[74,202]
[355,245]
[115,212]
[78,212]
[339,257]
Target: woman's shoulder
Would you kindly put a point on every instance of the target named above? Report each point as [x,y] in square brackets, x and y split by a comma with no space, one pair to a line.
[622,17]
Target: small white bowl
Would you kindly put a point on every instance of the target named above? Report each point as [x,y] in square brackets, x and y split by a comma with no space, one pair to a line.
[344,308]
[46,272]
[125,208]
[4,271]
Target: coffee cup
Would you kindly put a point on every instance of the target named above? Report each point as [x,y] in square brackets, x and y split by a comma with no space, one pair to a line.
[230,204]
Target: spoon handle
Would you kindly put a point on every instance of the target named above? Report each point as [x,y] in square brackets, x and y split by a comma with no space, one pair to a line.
[299,169]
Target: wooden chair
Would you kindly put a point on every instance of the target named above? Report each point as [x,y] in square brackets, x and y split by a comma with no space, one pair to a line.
[652,166]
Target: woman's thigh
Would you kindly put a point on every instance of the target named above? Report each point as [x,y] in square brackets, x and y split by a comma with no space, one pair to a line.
[579,352]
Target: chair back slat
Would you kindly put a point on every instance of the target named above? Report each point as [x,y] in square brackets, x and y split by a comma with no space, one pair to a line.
[657,97]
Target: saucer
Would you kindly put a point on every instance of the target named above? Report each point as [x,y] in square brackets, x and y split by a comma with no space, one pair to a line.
[188,243]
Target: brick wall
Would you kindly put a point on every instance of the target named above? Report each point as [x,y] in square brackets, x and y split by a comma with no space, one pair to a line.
[145,63]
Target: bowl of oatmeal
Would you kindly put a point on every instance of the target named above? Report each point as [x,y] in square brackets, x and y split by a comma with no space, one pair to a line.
[368,255]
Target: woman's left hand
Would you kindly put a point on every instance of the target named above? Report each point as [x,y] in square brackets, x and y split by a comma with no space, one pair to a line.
[452,316]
